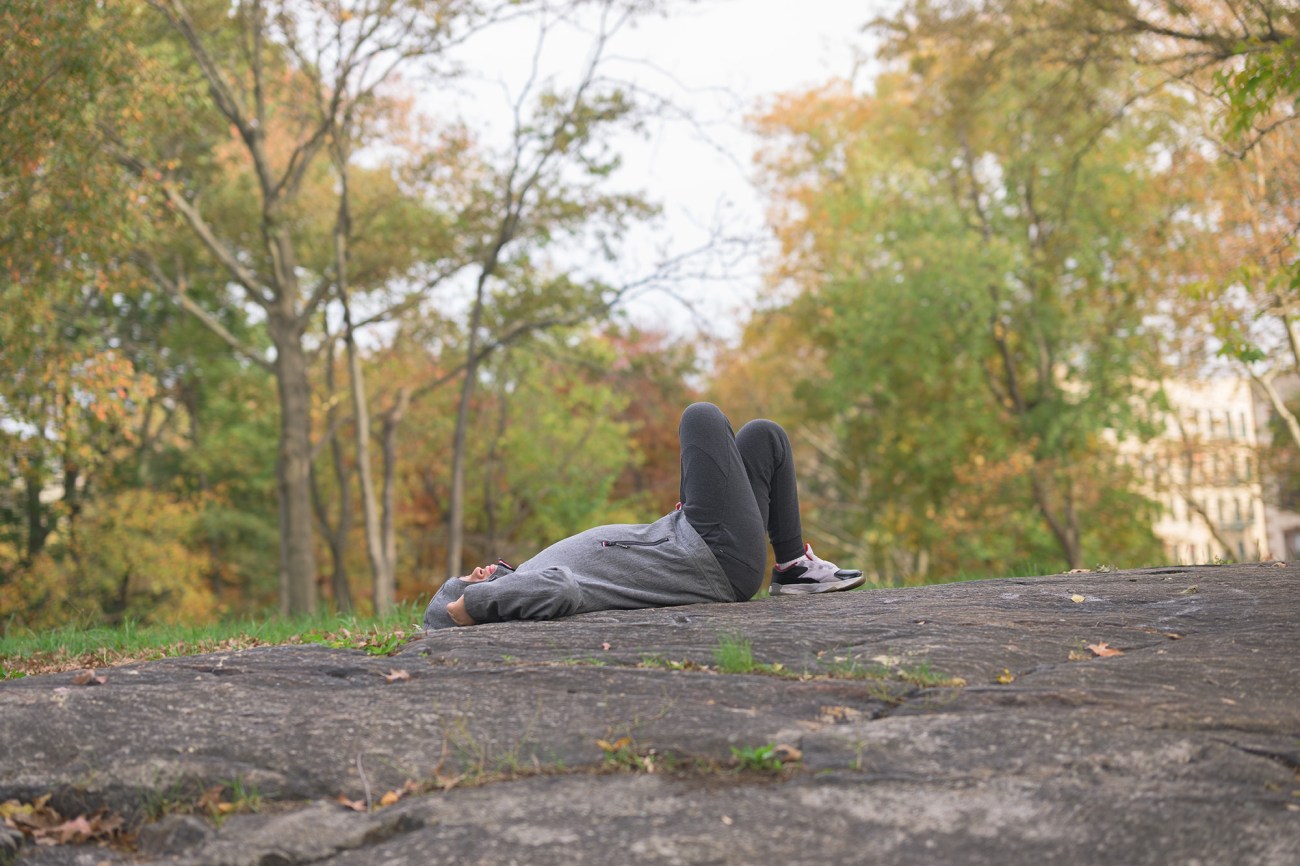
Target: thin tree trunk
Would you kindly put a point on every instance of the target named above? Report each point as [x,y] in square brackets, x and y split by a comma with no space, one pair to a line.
[293,469]
[37,529]
[456,516]
[392,419]
[1066,536]
[335,535]
[380,571]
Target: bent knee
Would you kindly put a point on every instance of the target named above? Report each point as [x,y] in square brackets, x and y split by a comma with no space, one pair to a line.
[761,429]
[702,414]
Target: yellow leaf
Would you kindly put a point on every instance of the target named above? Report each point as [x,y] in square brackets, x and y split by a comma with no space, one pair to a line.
[1077,599]
[9,808]
[1006,677]
[390,798]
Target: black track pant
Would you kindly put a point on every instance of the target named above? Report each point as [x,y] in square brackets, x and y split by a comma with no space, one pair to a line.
[736,488]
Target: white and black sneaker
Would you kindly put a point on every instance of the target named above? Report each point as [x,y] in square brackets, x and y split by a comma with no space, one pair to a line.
[810,574]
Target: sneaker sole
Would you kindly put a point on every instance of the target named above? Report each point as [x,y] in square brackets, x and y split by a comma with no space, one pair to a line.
[809,588]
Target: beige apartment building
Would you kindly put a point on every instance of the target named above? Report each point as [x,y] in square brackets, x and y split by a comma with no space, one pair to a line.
[1202,469]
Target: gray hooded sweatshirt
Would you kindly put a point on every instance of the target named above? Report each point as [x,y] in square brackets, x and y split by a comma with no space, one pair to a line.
[616,567]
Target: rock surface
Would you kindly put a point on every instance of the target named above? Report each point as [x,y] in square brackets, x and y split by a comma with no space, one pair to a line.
[1184,749]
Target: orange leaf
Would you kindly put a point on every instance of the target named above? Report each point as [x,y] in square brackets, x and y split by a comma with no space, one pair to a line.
[397,675]
[354,805]
[389,798]
[1103,651]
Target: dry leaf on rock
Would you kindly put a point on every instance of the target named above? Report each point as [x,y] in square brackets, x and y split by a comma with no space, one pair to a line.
[834,714]
[605,646]
[354,805]
[397,675]
[211,798]
[1103,650]
[47,827]
[617,745]
[1078,656]
[88,678]
[1077,599]
[1079,571]
[1006,677]
[787,752]
[389,798]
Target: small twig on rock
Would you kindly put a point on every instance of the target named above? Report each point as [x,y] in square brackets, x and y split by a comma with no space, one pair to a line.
[365,783]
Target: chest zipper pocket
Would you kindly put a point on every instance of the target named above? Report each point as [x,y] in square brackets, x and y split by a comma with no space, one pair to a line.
[627,545]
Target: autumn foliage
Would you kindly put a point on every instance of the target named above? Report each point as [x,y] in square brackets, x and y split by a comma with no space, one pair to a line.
[275,332]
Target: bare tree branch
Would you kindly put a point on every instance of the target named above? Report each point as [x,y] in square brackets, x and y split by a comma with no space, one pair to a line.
[176,289]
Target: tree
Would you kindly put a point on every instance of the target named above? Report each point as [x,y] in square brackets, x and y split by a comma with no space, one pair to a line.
[245,61]
[975,246]
[549,188]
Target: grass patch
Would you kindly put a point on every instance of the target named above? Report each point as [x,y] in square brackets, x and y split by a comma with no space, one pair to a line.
[735,655]
[25,653]
[758,759]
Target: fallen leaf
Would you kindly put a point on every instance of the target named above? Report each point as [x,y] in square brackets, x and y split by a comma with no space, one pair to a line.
[9,808]
[786,752]
[1079,571]
[1279,564]
[77,829]
[605,646]
[354,805]
[1102,650]
[617,745]
[396,675]
[1078,656]
[389,798]
[225,808]
[88,678]
[1077,599]
[211,798]
[1006,677]
[726,819]
[1229,701]
[1191,590]
[1172,635]
[834,714]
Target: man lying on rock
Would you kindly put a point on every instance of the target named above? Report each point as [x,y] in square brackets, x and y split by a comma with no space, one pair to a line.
[734,486]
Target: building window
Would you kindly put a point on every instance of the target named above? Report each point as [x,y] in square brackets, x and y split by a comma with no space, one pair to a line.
[1292,541]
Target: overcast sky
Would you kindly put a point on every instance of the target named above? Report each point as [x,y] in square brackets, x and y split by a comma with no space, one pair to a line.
[720,60]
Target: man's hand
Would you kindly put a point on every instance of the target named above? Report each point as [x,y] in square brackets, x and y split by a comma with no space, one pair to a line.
[456,610]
